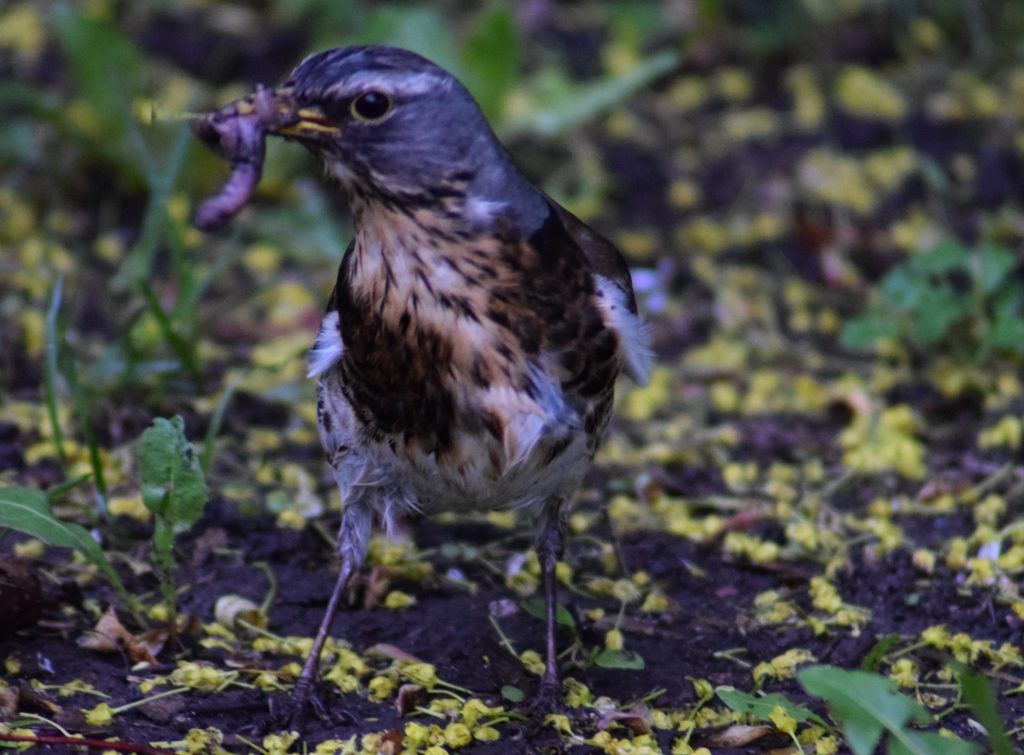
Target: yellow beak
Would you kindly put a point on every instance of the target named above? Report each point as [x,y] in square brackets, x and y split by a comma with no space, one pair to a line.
[281,114]
[311,122]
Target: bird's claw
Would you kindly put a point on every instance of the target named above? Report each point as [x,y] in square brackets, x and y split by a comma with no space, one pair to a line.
[293,713]
[546,700]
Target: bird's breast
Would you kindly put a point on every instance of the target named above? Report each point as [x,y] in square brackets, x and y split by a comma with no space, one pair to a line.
[469,355]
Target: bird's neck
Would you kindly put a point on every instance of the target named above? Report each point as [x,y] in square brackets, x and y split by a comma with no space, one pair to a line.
[404,255]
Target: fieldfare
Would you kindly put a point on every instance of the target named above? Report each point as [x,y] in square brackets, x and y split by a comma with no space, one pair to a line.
[469,352]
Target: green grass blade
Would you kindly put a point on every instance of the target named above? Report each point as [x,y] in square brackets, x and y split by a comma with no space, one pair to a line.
[589,100]
[51,369]
[137,266]
[217,420]
[181,348]
[80,405]
[57,491]
[27,510]
[978,693]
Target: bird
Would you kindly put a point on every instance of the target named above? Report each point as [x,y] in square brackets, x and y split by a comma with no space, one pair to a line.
[468,355]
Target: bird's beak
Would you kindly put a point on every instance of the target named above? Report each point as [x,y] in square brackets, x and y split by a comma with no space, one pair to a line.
[298,121]
[277,112]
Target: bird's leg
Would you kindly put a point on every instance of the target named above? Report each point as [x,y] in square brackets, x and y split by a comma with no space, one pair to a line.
[353,538]
[551,545]
[304,685]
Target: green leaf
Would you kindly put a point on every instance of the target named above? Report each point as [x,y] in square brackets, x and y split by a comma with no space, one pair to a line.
[490,59]
[52,369]
[874,656]
[945,257]
[865,705]
[27,510]
[936,313]
[904,291]
[978,693]
[1007,332]
[868,329]
[761,706]
[565,105]
[512,694]
[423,30]
[172,479]
[929,743]
[623,659]
[535,607]
[992,265]
[105,67]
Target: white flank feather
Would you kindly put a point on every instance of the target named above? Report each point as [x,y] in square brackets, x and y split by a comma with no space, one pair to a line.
[328,347]
[634,338]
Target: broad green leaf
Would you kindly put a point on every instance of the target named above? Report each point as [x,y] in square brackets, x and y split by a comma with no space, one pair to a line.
[1007,329]
[623,659]
[172,479]
[978,693]
[27,510]
[938,311]
[1006,332]
[945,257]
[902,290]
[929,743]
[864,705]
[868,329]
[1009,302]
[992,265]
[535,607]
[761,706]
[512,694]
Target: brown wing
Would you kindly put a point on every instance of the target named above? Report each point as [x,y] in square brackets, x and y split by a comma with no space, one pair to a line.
[603,256]
[615,292]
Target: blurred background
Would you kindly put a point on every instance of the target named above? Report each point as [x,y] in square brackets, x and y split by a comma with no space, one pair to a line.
[779,174]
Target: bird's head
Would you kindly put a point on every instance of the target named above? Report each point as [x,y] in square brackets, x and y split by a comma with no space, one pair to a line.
[392,126]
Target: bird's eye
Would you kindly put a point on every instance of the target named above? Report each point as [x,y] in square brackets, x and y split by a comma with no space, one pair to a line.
[371,106]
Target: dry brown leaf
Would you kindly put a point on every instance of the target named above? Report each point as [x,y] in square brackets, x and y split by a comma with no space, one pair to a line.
[211,539]
[110,636]
[37,700]
[384,650]
[409,696]
[230,608]
[637,718]
[737,735]
[940,486]
[391,742]
[377,586]
[8,703]
[164,709]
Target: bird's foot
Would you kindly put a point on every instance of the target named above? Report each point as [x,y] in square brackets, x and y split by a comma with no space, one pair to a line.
[545,701]
[293,713]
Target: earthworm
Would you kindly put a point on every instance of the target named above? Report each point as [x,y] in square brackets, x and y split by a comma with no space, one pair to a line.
[238,134]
